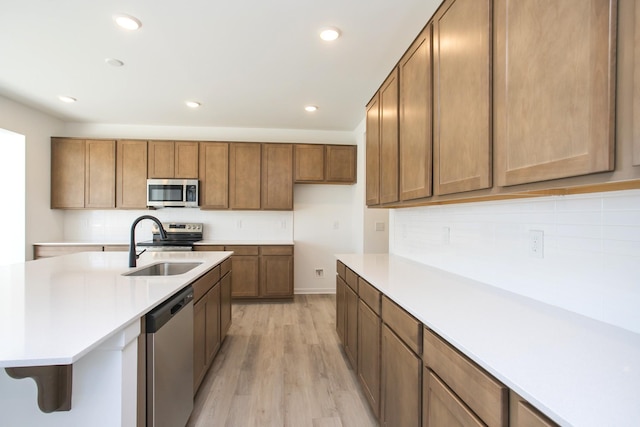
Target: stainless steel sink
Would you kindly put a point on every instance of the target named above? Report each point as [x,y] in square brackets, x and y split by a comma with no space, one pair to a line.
[164,269]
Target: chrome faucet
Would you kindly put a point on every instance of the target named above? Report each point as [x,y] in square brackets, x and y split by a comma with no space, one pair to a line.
[133,256]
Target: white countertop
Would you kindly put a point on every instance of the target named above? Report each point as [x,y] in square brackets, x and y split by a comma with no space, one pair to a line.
[212,242]
[576,370]
[55,310]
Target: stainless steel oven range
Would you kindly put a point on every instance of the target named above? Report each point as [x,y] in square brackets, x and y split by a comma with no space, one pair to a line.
[180,237]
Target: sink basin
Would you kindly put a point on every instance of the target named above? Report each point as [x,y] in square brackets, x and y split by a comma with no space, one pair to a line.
[164,269]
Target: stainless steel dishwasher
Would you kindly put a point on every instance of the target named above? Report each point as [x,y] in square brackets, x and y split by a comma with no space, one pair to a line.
[170,361]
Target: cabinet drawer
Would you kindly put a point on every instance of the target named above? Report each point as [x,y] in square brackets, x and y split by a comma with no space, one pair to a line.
[116,248]
[369,294]
[352,280]
[225,267]
[243,250]
[276,250]
[341,269]
[522,414]
[485,395]
[212,248]
[408,328]
[206,282]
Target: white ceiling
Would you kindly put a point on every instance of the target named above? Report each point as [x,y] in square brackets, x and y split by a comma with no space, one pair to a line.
[251,63]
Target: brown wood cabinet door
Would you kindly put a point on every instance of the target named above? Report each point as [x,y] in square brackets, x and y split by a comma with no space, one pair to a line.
[277,176]
[341,308]
[462,96]
[351,327]
[161,159]
[369,329]
[442,407]
[186,160]
[416,124]
[213,322]
[341,164]
[245,279]
[100,174]
[214,175]
[67,173]
[522,414]
[401,383]
[199,340]
[131,174]
[372,152]
[276,276]
[389,93]
[225,305]
[244,175]
[554,88]
[309,163]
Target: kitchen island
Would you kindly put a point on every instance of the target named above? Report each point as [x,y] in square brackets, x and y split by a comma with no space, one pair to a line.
[79,310]
[575,370]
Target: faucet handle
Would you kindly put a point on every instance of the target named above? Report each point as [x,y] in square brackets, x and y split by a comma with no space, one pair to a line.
[138,255]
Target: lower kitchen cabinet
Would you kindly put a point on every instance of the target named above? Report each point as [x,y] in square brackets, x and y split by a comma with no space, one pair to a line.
[341,286]
[351,327]
[259,271]
[246,267]
[225,298]
[522,414]
[401,383]
[442,407]
[369,327]
[276,271]
[208,332]
[475,390]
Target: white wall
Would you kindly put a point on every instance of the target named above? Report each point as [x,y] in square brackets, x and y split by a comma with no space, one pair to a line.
[591,261]
[42,223]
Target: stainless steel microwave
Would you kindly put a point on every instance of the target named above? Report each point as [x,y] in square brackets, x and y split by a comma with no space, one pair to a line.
[180,193]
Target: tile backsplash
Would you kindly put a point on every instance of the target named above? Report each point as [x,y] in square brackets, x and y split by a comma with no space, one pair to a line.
[591,249]
[115,225]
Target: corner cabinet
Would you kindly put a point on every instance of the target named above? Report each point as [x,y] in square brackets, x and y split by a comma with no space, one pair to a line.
[462,96]
[324,164]
[550,120]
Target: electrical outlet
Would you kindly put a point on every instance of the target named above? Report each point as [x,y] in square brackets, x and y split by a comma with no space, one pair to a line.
[239,223]
[536,243]
[379,226]
[319,273]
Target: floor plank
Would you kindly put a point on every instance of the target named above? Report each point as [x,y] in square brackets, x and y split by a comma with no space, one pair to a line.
[282,365]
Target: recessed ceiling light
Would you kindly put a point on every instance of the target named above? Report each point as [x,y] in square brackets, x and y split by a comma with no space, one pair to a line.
[192,104]
[311,108]
[127,22]
[329,34]
[67,99]
[114,62]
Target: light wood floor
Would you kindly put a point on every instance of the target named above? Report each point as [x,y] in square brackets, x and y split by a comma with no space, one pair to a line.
[281,365]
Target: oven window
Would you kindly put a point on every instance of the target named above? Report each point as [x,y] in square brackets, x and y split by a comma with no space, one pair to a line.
[165,193]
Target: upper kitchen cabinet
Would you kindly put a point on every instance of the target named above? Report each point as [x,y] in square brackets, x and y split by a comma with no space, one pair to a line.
[324,164]
[82,173]
[245,175]
[416,122]
[309,163]
[340,164]
[372,152]
[554,88]
[173,159]
[462,96]
[277,177]
[131,174]
[389,139]
[214,175]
